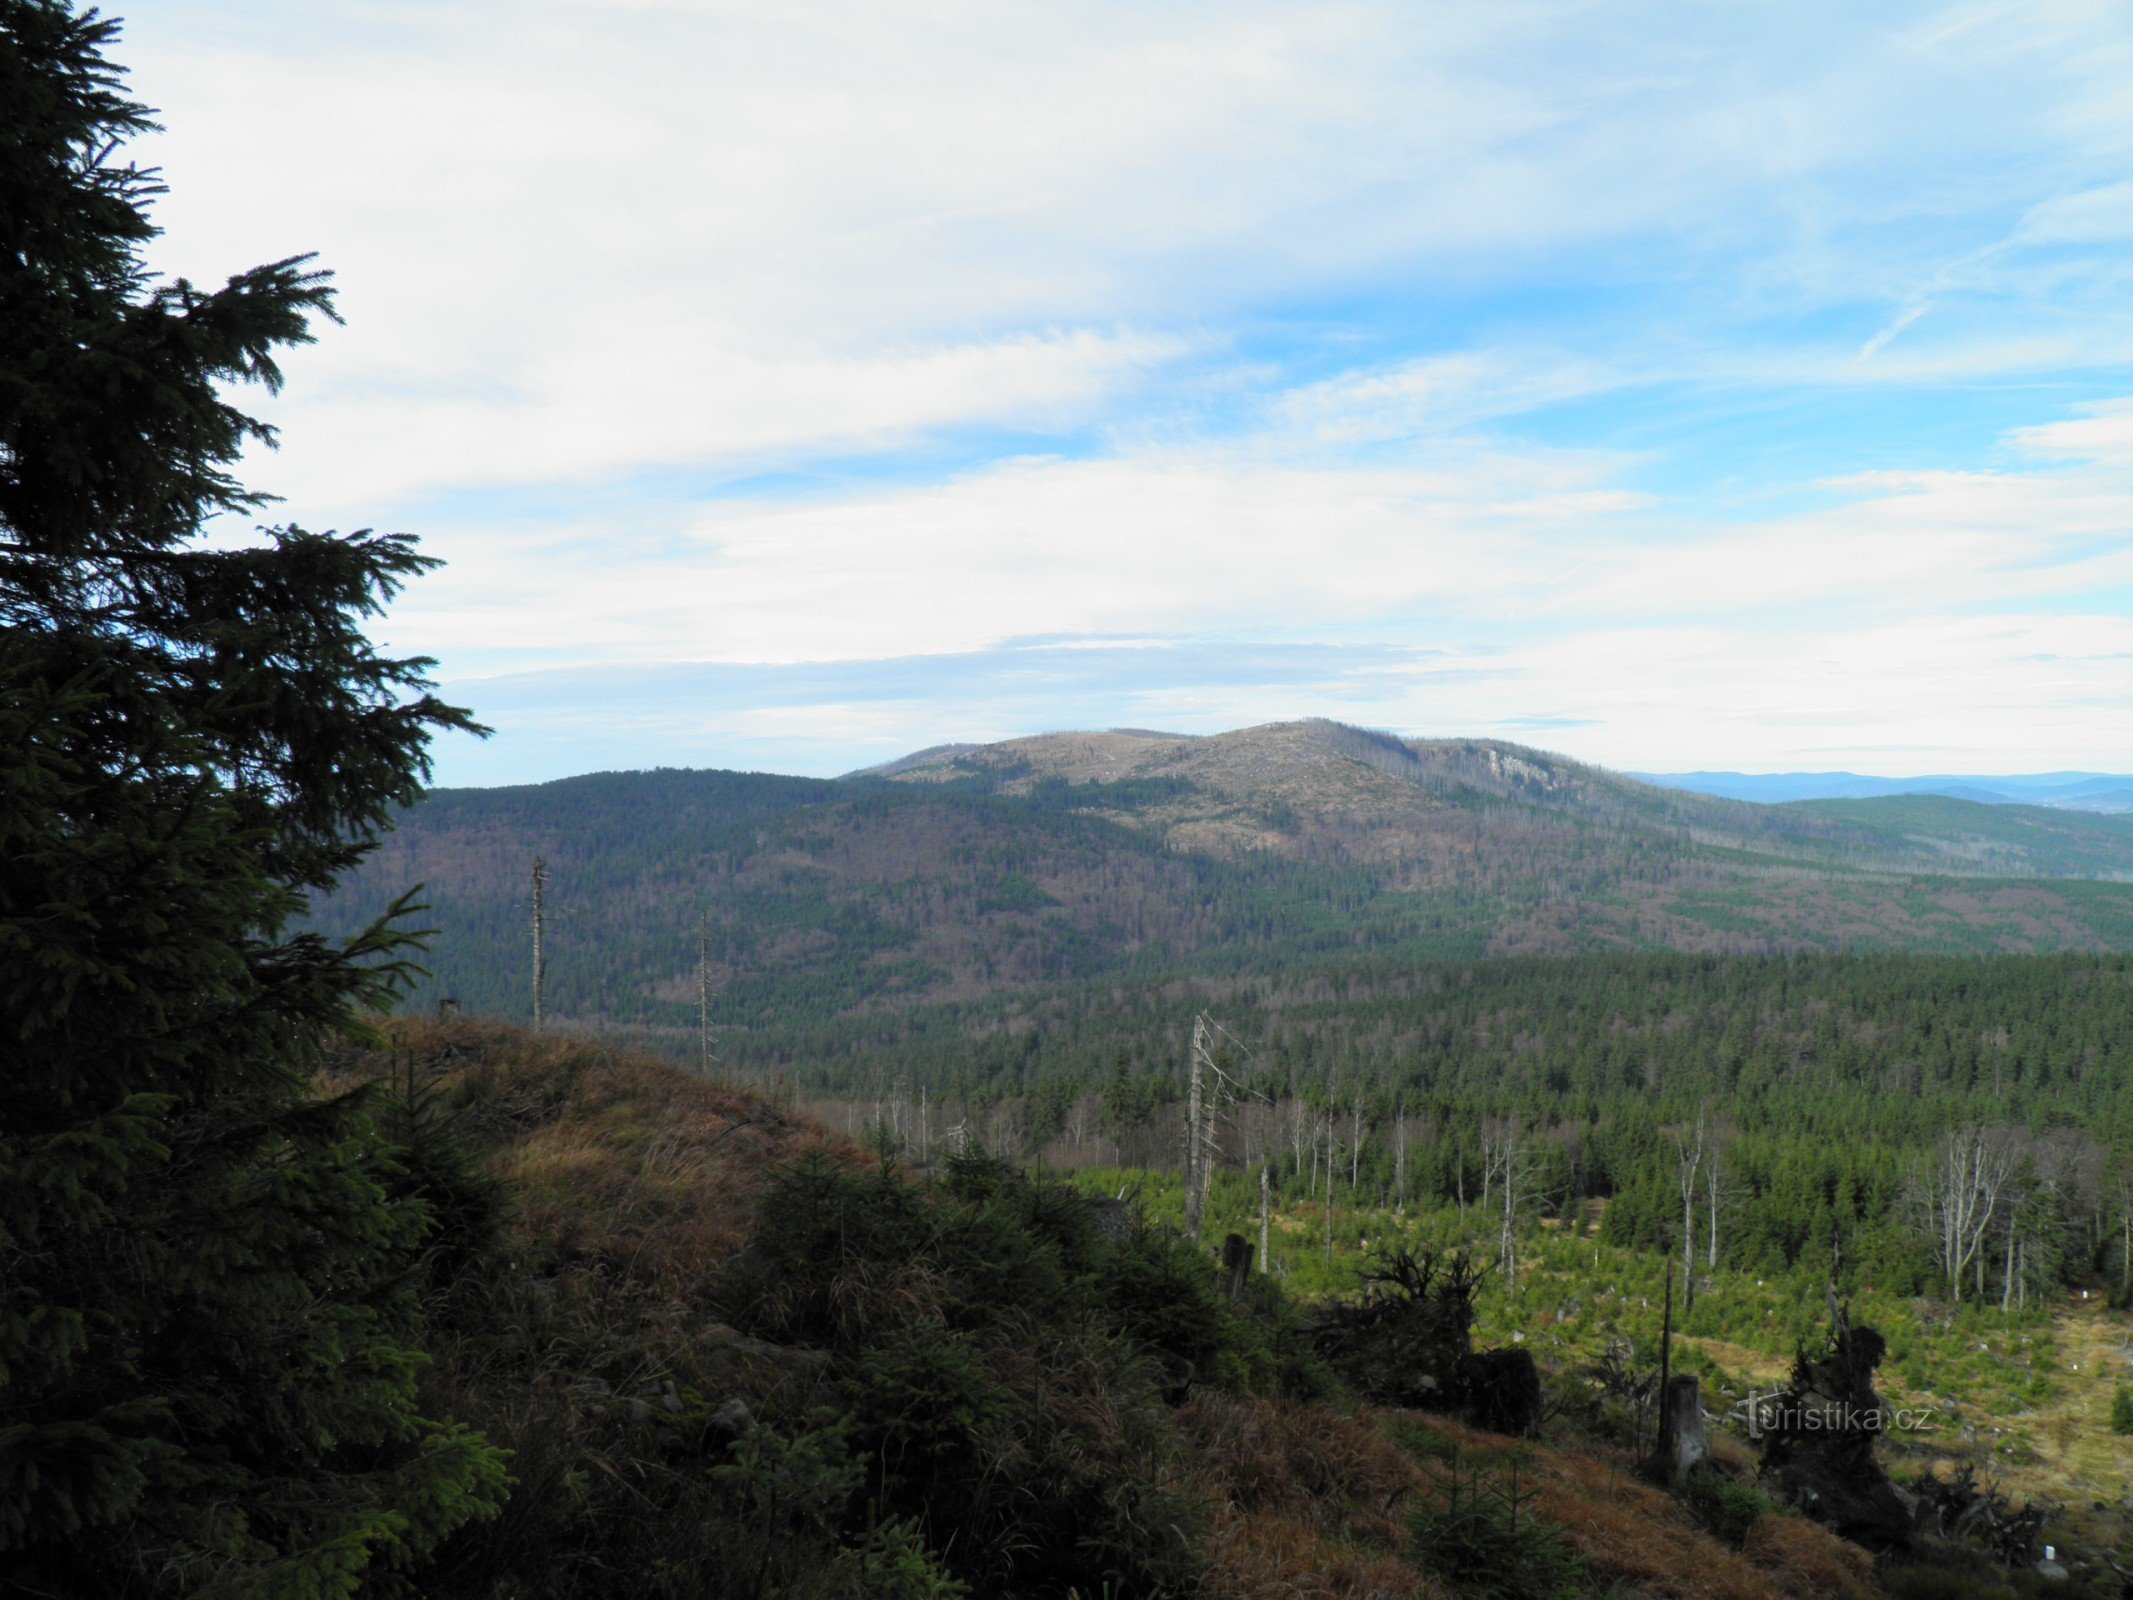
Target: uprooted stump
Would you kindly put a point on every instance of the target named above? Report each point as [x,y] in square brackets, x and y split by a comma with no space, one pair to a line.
[1407,1340]
[1503,1391]
[1818,1439]
[1958,1507]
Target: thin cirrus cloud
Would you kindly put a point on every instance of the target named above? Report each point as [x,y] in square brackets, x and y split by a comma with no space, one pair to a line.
[1680,385]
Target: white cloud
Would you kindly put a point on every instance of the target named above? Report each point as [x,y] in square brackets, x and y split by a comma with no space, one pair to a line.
[579,238]
[1203,318]
[2104,434]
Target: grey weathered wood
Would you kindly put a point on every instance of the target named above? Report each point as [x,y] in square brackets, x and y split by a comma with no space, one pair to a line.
[1685,1445]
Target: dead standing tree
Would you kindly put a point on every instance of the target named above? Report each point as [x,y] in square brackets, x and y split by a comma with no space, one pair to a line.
[1208,1090]
[1196,1089]
[1690,1142]
[1510,1163]
[704,1058]
[1957,1197]
[1201,1094]
[540,948]
[1714,1165]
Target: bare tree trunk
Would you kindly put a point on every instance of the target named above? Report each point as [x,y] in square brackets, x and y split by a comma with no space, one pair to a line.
[540,950]
[1209,1150]
[1507,1246]
[1963,1194]
[1711,1189]
[1690,1160]
[1194,1093]
[1266,1215]
[1329,1186]
[703,995]
[1399,1153]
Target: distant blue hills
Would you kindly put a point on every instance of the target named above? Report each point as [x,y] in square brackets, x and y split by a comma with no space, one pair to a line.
[2065,791]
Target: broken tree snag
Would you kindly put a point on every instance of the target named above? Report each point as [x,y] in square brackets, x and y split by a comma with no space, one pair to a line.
[1237,1262]
[1682,1445]
[1818,1439]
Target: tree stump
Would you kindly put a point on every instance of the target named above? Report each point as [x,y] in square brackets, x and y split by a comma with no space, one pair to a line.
[1682,1446]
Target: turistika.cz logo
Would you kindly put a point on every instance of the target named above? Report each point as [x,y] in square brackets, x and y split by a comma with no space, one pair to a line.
[1779,1413]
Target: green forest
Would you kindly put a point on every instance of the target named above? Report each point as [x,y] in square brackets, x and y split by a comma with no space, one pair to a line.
[1002,948]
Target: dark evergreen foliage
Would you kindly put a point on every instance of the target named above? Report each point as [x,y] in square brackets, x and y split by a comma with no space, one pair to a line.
[1001,1360]
[207,1291]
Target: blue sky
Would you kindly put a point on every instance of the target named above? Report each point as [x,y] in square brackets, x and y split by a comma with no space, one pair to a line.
[1715,385]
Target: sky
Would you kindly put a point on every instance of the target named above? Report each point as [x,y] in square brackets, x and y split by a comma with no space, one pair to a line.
[788,386]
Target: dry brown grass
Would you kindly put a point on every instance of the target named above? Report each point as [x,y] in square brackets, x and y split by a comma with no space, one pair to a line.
[1805,1559]
[1642,1538]
[628,1182]
[1311,1500]
[1307,1500]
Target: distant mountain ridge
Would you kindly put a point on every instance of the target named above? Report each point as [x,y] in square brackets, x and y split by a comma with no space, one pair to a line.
[966,873]
[2069,791]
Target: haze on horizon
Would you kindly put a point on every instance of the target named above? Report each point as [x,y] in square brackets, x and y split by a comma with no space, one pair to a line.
[794,386]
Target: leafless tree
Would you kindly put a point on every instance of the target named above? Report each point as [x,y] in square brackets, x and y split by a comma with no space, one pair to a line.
[1689,1142]
[1265,1215]
[1399,1153]
[1958,1194]
[1714,1166]
[540,948]
[1509,1164]
[1195,1098]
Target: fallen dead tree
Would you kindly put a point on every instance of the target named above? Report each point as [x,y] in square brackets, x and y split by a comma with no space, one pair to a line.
[1407,1340]
[1961,1508]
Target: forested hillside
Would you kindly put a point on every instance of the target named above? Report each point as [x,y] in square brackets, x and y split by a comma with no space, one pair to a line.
[1410,949]
[970,873]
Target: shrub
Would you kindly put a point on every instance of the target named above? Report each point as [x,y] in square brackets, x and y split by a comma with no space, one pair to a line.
[783,1523]
[1723,1507]
[1481,1534]
[2122,1411]
[1000,1364]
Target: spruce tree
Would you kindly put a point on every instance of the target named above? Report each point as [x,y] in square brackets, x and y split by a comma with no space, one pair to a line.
[207,1384]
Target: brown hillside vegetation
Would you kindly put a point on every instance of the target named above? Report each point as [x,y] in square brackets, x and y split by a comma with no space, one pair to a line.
[592,1341]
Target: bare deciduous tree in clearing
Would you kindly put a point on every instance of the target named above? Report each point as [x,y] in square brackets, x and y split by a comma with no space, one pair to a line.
[1265,1215]
[1509,1163]
[1688,1164]
[1958,1194]
[1399,1153]
[1195,1094]
[1207,1086]
[1721,1137]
